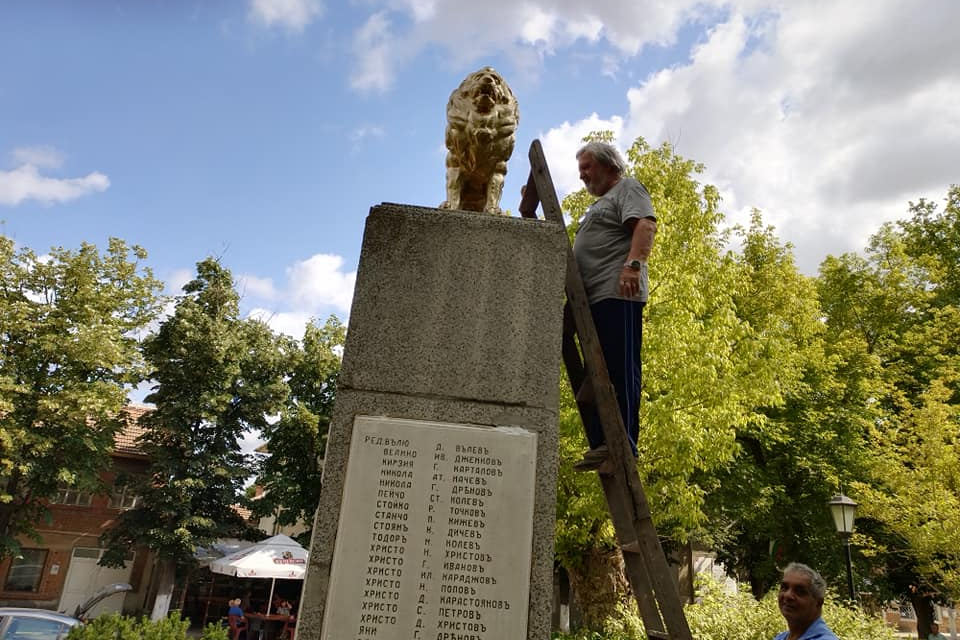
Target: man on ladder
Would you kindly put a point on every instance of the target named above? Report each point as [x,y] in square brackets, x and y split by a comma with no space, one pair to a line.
[614,241]
[612,245]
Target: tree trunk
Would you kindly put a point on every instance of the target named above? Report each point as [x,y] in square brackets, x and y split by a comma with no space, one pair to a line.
[682,557]
[923,607]
[599,585]
[166,572]
[182,600]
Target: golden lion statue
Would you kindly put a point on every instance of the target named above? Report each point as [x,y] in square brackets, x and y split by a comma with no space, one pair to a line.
[482,116]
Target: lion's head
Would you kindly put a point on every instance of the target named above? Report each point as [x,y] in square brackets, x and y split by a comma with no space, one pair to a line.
[485,91]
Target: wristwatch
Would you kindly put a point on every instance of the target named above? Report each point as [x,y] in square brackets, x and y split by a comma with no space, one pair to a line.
[634,264]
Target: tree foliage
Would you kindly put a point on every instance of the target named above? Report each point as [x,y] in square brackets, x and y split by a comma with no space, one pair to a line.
[768,504]
[69,323]
[291,473]
[217,376]
[903,307]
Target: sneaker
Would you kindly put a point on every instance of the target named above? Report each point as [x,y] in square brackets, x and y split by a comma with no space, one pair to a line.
[592,459]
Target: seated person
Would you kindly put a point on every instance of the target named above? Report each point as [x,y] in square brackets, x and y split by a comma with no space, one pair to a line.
[235,609]
[236,619]
[282,606]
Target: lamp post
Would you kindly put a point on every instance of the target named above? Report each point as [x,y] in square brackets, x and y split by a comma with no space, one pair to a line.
[844,510]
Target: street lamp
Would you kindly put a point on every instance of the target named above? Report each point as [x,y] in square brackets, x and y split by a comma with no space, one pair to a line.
[844,510]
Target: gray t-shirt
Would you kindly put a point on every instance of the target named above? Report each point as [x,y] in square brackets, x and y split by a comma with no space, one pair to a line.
[602,243]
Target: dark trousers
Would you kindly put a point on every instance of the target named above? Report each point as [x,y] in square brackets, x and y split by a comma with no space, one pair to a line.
[620,329]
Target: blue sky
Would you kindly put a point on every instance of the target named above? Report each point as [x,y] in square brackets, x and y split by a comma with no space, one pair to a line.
[262,131]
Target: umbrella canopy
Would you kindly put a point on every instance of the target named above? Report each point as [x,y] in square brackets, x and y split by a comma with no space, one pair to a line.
[279,557]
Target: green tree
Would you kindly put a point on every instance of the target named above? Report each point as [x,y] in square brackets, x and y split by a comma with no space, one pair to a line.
[933,240]
[291,473]
[767,505]
[217,377]
[69,323]
[901,303]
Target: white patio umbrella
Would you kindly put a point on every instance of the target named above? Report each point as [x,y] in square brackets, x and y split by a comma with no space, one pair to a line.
[277,558]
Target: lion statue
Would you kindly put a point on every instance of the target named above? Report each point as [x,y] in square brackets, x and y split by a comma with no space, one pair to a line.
[482,116]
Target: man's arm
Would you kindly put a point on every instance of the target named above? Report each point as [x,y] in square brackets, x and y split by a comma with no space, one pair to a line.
[641,242]
[642,232]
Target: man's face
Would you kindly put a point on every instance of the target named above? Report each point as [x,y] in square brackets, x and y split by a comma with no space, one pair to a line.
[797,602]
[934,627]
[597,177]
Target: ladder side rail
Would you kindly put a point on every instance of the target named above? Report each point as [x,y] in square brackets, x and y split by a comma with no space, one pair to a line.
[530,198]
[576,372]
[637,568]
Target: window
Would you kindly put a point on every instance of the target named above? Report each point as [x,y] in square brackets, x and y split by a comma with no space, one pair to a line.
[123,498]
[25,572]
[72,496]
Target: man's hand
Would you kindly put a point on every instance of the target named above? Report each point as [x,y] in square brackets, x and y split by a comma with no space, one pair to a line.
[629,282]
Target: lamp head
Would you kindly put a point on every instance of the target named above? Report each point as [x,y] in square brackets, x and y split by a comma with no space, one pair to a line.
[844,511]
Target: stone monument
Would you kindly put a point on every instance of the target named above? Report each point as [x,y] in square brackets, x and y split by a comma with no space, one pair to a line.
[482,118]
[436,517]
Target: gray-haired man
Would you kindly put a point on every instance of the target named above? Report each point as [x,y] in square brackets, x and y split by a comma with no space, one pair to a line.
[801,601]
[612,245]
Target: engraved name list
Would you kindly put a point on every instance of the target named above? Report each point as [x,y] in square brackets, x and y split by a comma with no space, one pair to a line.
[435,532]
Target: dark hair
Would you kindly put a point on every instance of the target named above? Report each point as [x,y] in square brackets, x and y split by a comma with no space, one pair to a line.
[604,153]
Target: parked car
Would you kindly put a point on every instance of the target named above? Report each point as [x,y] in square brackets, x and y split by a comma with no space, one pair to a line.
[34,624]
[18,623]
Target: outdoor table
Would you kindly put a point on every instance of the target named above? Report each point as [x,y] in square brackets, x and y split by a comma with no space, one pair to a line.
[262,623]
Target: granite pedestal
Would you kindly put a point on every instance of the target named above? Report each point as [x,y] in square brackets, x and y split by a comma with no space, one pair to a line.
[436,517]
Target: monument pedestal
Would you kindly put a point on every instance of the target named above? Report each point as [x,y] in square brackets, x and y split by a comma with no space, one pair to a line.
[436,517]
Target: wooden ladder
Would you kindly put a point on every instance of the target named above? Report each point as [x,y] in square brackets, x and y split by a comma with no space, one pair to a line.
[648,572]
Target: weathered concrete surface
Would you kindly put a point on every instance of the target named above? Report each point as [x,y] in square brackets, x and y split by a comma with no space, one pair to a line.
[457,318]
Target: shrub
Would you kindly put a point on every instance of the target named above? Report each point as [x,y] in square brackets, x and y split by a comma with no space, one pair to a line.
[117,627]
[720,615]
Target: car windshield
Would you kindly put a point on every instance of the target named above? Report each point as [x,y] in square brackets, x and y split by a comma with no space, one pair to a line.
[34,629]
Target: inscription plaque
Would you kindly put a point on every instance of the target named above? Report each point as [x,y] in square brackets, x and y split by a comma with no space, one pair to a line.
[435,533]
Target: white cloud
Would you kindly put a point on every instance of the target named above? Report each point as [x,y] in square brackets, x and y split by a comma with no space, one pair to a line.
[291,323]
[363,133]
[829,117]
[321,281]
[293,15]
[45,157]
[422,10]
[315,288]
[177,279]
[471,31]
[251,285]
[537,26]
[367,131]
[373,45]
[26,183]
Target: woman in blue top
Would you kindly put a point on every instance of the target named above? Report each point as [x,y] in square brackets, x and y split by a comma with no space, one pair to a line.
[235,609]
